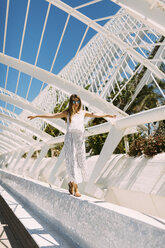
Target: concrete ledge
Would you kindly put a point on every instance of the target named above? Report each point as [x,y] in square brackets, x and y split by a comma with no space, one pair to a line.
[40,229]
[89,222]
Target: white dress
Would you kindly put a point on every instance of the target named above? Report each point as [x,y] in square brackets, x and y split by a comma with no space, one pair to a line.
[74,147]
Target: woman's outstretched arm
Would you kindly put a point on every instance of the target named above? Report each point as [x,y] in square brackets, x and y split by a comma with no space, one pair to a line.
[57,115]
[98,115]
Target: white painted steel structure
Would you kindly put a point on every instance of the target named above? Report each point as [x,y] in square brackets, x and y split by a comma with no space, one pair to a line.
[98,72]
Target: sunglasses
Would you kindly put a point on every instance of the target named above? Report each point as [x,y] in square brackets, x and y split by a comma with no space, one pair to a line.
[74,102]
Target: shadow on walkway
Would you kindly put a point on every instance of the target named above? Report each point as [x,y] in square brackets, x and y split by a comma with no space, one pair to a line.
[12,232]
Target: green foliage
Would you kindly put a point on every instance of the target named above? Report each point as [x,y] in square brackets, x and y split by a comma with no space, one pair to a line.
[148,146]
[95,143]
[161,129]
[148,98]
[120,148]
[87,87]
[59,108]
[49,153]
[24,155]
[137,147]
[52,130]
[55,151]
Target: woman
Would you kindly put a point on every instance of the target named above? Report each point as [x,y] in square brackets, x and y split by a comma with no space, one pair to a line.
[74,145]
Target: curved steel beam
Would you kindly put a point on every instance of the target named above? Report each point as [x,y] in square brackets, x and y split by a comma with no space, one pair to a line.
[106,33]
[151,15]
[25,105]
[151,115]
[7,144]
[11,140]
[25,138]
[89,98]
[4,148]
[12,146]
[42,135]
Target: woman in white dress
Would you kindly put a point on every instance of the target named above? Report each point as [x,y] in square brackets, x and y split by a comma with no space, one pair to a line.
[74,144]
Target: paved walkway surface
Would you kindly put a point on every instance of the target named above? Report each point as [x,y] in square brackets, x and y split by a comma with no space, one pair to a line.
[12,232]
[22,226]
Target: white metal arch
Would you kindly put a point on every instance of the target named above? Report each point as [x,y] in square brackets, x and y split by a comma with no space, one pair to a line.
[11,134]
[20,102]
[10,145]
[110,36]
[61,84]
[111,56]
[150,12]
[22,124]
[11,141]
[19,135]
[5,148]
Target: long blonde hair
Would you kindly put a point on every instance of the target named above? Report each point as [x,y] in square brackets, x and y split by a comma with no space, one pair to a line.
[70,109]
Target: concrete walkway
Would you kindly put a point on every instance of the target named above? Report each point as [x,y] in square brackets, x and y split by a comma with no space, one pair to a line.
[21,228]
[56,219]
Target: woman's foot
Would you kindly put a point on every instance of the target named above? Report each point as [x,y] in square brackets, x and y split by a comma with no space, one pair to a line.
[76,192]
[71,187]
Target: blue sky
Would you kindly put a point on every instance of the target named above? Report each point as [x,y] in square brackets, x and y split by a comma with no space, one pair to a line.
[54,28]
